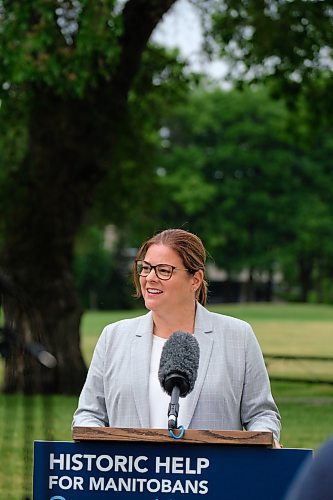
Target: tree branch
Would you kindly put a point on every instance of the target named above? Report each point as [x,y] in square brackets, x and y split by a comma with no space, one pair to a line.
[140,17]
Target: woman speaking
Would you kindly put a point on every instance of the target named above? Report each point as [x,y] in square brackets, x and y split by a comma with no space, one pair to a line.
[232,390]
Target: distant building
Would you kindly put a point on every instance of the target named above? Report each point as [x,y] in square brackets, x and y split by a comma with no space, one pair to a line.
[241,287]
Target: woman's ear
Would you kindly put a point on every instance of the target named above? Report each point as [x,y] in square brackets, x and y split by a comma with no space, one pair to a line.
[197,279]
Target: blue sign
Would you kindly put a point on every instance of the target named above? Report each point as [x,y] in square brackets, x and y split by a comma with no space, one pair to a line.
[161,471]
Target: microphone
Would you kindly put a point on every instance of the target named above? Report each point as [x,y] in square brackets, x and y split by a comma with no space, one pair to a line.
[35,349]
[178,370]
[39,352]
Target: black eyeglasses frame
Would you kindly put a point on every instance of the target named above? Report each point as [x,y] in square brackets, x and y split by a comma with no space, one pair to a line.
[173,268]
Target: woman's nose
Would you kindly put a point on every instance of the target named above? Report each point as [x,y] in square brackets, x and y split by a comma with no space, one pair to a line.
[152,274]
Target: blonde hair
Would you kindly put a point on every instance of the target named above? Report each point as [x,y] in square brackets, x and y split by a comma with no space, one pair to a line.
[190,249]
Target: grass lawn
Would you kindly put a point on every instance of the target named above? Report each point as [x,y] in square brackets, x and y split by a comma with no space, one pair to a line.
[306,409]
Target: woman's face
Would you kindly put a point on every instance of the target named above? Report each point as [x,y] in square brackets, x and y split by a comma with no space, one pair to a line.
[168,295]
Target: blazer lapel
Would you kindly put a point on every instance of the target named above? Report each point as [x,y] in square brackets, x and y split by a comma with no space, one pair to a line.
[140,364]
[203,330]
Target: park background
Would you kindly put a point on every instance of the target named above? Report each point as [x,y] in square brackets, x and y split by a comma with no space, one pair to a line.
[108,135]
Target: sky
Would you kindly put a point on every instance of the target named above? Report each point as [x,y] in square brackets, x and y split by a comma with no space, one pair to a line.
[181,28]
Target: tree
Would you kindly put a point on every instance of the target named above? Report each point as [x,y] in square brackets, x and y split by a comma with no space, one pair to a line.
[66,75]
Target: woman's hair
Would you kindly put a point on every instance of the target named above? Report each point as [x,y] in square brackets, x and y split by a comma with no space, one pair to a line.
[190,249]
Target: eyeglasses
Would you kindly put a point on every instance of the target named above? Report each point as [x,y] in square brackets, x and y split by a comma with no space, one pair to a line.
[162,271]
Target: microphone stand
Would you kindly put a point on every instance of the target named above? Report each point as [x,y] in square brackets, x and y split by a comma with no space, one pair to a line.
[176,385]
[173,409]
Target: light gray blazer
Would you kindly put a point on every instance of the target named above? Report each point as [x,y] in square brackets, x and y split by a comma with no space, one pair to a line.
[232,390]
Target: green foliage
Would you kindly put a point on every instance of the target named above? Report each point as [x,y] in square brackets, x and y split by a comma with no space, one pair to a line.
[102,275]
[254,190]
[288,44]
[233,148]
[67,46]
[161,83]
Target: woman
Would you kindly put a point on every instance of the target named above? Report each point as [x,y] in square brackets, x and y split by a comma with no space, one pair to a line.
[232,390]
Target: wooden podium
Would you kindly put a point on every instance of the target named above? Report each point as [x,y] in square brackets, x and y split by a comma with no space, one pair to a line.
[191,436]
[104,463]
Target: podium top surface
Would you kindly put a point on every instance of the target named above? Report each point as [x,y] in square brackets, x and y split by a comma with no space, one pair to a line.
[191,436]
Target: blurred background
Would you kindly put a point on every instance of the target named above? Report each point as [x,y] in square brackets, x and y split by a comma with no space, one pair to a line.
[119,119]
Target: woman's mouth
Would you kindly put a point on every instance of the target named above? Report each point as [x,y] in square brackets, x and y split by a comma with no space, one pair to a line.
[154,291]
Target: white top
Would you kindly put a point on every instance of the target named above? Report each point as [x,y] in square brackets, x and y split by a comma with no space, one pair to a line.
[158,399]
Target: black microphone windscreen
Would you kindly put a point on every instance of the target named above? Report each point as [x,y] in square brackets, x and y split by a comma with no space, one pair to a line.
[180,357]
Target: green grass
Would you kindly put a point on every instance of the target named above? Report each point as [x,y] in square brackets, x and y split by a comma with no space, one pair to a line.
[24,419]
[275,311]
[306,409]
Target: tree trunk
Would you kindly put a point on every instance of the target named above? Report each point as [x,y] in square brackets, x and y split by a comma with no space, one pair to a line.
[305,274]
[250,287]
[269,295]
[53,192]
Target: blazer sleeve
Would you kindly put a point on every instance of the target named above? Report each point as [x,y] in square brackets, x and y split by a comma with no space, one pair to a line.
[258,409]
[91,411]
